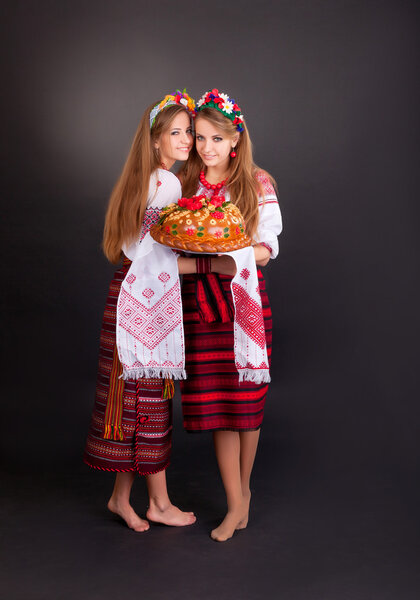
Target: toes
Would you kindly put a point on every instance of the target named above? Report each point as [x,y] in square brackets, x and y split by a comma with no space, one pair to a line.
[140,528]
[189,521]
[219,538]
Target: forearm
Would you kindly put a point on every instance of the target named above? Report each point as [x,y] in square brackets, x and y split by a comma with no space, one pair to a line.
[262,255]
[225,265]
[186,265]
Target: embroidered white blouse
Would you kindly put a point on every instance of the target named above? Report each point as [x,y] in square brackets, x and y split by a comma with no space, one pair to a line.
[270,222]
[164,188]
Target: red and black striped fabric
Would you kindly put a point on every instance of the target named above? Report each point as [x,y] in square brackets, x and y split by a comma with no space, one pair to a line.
[146,416]
[212,397]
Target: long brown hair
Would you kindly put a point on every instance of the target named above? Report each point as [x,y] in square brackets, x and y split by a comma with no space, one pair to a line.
[128,200]
[242,184]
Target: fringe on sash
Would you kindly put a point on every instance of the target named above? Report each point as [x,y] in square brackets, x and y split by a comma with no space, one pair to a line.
[168,390]
[254,375]
[113,432]
[153,373]
[114,402]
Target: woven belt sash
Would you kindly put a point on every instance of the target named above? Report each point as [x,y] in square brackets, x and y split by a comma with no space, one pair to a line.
[213,303]
[115,400]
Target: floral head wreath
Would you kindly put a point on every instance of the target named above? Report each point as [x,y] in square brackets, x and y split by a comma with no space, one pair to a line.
[224,104]
[181,98]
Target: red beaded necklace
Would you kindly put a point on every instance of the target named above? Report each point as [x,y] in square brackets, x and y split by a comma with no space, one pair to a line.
[211,186]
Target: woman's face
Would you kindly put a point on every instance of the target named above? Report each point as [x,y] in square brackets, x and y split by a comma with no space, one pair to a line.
[176,142]
[213,145]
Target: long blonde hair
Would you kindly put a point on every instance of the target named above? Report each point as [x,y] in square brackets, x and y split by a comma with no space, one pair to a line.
[128,200]
[242,184]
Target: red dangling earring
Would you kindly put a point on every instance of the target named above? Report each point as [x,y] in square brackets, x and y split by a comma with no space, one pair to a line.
[233,154]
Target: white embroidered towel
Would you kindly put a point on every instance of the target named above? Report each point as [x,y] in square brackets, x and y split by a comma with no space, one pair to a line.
[251,358]
[150,334]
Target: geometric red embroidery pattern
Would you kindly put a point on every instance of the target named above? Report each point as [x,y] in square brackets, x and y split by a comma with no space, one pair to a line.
[164,277]
[249,315]
[151,216]
[150,325]
[265,182]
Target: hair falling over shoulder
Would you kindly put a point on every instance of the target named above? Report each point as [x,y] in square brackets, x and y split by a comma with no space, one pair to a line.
[242,184]
[128,201]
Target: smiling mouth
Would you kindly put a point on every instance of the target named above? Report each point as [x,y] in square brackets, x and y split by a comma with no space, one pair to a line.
[209,157]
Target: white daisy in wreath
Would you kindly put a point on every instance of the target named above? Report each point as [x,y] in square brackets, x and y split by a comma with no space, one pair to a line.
[227,107]
[201,101]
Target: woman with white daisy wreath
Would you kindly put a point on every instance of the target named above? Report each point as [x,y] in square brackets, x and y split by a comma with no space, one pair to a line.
[213,399]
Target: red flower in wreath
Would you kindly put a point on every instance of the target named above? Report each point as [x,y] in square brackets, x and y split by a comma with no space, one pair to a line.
[190,231]
[218,215]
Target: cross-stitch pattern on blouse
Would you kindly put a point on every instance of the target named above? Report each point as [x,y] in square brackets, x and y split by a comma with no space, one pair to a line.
[151,216]
[266,183]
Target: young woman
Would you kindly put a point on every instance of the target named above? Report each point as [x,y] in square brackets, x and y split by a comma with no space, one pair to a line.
[132,420]
[212,397]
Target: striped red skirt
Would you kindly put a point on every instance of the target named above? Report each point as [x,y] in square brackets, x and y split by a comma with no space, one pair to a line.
[144,417]
[212,397]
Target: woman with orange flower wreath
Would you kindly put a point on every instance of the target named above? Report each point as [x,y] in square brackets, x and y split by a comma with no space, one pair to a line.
[131,423]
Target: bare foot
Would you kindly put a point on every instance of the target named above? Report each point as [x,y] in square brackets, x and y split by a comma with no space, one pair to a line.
[230,523]
[170,515]
[127,513]
[247,499]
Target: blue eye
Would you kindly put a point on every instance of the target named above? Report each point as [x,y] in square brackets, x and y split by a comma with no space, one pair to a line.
[199,137]
[217,139]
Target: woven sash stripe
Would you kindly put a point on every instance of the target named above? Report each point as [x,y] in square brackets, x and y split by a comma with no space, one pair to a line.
[114,402]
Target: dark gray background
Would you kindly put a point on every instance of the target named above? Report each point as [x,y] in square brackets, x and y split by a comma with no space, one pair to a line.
[330,95]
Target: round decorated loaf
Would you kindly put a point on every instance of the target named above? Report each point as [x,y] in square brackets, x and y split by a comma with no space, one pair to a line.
[201,224]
